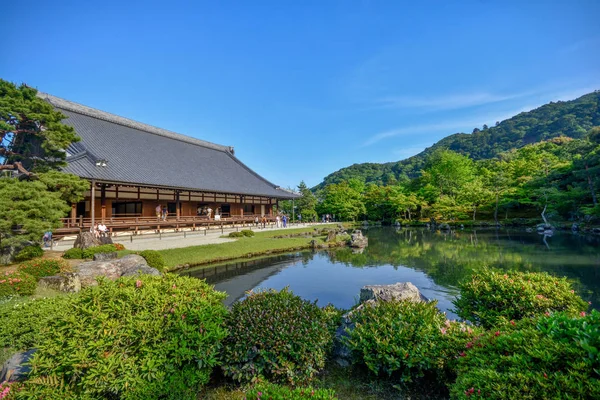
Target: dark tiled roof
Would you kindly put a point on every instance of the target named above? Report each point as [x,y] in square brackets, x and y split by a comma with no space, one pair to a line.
[145,155]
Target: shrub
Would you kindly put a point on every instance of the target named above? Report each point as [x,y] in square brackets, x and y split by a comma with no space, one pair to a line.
[247,232]
[74,253]
[22,323]
[29,252]
[276,335]
[154,259]
[492,297]
[44,267]
[16,283]
[143,337]
[269,391]
[105,248]
[119,246]
[555,357]
[408,340]
[236,234]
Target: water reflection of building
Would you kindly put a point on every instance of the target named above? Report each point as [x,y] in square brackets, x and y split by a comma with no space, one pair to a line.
[237,278]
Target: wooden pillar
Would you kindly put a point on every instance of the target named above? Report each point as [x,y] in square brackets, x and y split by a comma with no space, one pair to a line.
[93,202]
[103,201]
[73,213]
[177,204]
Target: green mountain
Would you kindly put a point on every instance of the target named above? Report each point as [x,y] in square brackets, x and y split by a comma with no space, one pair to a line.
[564,118]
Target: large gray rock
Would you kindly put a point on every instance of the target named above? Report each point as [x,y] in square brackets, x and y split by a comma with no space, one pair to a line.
[331,236]
[8,253]
[85,240]
[397,291]
[14,369]
[66,282]
[105,256]
[131,261]
[358,240]
[141,269]
[369,296]
[88,271]
[444,227]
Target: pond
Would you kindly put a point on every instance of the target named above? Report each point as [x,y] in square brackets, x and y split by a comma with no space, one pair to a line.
[433,261]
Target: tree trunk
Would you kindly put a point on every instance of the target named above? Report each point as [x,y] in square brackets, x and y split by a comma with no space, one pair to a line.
[409,217]
[543,214]
[496,210]
[591,184]
[474,212]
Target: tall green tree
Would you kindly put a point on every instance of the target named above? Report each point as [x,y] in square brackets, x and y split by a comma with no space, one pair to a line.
[33,141]
[344,200]
[306,205]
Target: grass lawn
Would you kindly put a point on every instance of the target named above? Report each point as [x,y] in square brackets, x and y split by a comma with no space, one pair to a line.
[241,248]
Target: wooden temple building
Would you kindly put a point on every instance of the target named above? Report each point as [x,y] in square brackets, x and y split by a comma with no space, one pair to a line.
[133,168]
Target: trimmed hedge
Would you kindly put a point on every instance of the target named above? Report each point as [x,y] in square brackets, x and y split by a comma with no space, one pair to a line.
[75,253]
[28,253]
[492,297]
[44,267]
[16,283]
[247,232]
[407,340]
[154,259]
[276,335]
[235,234]
[140,337]
[555,357]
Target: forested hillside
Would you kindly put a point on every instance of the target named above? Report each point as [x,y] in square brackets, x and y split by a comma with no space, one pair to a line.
[564,118]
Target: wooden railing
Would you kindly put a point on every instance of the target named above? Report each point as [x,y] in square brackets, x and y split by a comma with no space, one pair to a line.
[136,224]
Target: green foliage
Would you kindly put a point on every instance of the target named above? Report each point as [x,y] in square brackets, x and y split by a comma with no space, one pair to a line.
[154,259]
[43,267]
[276,335]
[138,337]
[270,391]
[105,248]
[343,200]
[74,253]
[492,297]
[555,357]
[23,322]
[28,210]
[236,234]
[407,339]
[16,283]
[29,252]
[247,232]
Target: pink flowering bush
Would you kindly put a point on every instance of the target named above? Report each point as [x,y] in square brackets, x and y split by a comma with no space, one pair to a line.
[551,357]
[144,337]
[16,283]
[41,267]
[276,335]
[491,297]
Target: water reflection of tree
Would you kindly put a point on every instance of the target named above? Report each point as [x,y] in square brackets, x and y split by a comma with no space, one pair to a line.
[450,257]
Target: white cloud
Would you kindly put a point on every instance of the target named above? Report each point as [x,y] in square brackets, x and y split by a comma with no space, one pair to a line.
[447,102]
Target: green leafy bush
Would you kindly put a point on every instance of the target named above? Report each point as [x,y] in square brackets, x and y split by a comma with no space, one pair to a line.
[236,234]
[555,357]
[491,297]
[74,253]
[407,340]
[29,252]
[43,267]
[276,335]
[154,259]
[247,232]
[141,337]
[105,248]
[16,283]
[270,391]
[22,322]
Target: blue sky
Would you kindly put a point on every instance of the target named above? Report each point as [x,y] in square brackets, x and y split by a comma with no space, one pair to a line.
[304,88]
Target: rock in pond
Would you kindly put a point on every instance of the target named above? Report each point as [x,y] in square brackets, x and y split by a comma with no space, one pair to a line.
[14,369]
[369,296]
[357,239]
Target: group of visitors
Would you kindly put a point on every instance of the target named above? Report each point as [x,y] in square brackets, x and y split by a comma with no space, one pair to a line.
[99,230]
[327,218]
[162,212]
[262,222]
[279,221]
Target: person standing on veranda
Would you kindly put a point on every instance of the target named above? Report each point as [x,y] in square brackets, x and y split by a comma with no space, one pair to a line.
[158,212]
